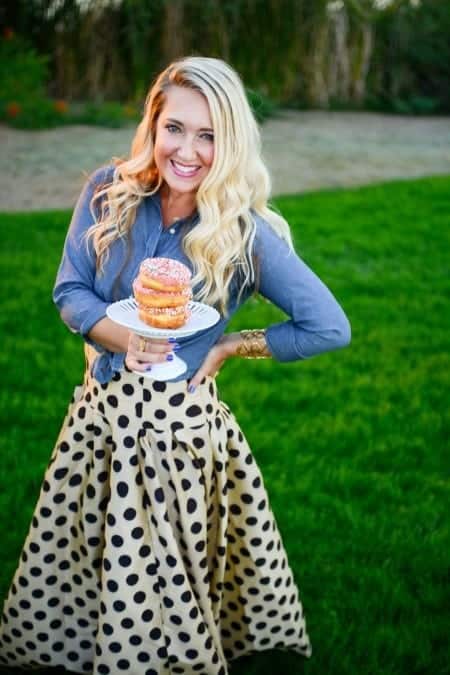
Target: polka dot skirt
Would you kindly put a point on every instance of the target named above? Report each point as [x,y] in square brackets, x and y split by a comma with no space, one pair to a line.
[152,548]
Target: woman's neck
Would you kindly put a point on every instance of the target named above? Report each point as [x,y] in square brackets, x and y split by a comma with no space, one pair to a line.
[175,206]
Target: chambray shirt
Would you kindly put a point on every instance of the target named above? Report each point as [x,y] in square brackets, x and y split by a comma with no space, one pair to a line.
[316,321]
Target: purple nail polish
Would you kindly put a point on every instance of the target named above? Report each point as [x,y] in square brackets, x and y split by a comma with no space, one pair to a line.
[191,389]
[169,357]
[148,368]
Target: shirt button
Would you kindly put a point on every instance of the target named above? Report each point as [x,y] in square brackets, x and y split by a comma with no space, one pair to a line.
[172,230]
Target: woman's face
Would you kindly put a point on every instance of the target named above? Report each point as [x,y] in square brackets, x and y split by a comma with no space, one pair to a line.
[184,142]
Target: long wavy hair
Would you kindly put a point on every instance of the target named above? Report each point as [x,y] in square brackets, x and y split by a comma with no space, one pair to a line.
[220,244]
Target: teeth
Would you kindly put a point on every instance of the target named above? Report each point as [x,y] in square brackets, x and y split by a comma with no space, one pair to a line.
[184,169]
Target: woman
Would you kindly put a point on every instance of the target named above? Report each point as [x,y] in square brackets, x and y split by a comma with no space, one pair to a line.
[153,548]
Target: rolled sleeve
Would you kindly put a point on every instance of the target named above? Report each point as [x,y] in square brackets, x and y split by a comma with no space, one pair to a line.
[317,323]
[79,306]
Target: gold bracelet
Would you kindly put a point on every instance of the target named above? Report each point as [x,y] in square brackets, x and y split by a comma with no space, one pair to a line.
[253,345]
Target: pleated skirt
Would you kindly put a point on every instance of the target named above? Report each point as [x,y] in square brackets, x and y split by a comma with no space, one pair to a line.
[152,549]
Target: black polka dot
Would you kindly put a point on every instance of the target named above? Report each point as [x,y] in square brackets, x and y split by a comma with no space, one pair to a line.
[193,411]
[159,386]
[139,597]
[155,634]
[186,484]
[123,664]
[123,421]
[191,505]
[192,654]
[144,551]
[176,399]
[122,489]
[159,495]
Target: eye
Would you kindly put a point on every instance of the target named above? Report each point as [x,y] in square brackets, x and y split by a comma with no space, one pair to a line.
[172,128]
[207,136]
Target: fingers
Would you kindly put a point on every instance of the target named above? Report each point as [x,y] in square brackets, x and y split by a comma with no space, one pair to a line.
[195,381]
[151,345]
[209,367]
[144,352]
[144,360]
[138,366]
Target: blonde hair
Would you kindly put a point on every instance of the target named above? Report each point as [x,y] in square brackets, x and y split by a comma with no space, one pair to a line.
[220,244]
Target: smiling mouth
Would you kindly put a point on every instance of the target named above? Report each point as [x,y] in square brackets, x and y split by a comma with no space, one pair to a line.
[184,171]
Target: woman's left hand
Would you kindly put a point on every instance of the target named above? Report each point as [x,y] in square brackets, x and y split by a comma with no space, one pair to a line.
[216,356]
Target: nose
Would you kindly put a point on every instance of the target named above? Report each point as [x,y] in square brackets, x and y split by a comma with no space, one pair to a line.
[186,150]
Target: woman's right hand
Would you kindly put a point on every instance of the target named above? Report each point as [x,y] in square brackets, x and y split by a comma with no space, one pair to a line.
[142,352]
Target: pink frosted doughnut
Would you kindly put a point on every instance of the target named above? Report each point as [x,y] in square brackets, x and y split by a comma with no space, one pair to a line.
[164,274]
[151,297]
[164,317]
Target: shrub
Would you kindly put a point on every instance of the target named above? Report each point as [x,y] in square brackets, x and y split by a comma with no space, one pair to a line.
[261,105]
[24,103]
[23,74]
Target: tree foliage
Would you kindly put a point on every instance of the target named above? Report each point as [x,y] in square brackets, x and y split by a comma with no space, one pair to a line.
[350,53]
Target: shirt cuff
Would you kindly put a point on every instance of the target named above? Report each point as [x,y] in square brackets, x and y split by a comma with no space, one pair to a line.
[117,361]
[280,338]
[94,316]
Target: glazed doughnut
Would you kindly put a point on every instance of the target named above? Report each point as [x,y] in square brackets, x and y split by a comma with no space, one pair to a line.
[164,274]
[164,317]
[162,291]
[149,297]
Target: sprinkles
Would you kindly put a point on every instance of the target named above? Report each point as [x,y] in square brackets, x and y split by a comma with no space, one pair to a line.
[166,269]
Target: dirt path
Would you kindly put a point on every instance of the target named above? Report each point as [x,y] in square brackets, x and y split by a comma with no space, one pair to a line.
[304,151]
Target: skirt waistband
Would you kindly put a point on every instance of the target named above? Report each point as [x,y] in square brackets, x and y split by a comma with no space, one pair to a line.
[161,402]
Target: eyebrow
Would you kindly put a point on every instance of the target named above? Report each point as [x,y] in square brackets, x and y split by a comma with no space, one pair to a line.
[171,119]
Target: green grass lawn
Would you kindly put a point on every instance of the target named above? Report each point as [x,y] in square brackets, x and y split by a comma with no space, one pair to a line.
[352,443]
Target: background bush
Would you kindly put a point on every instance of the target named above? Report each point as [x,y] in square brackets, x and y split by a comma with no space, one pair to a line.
[24,102]
[326,53]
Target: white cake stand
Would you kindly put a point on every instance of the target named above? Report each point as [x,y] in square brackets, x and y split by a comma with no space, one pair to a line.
[125,313]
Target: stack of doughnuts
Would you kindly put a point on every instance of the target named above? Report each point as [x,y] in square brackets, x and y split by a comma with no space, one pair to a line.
[162,291]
